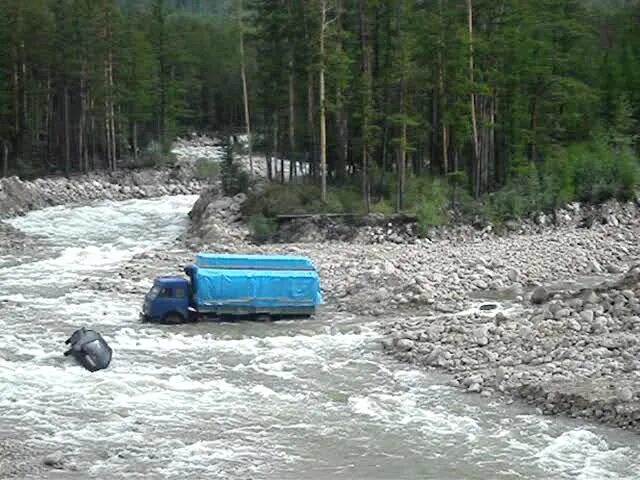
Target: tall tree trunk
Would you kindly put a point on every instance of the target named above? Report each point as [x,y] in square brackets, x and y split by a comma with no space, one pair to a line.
[24,112]
[474,122]
[435,119]
[274,145]
[245,93]
[107,119]
[82,121]
[310,125]
[402,157]
[16,97]
[341,116]
[67,134]
[442,94]
[534,125]
[135,140]
[292,109]
[112,116]
[292,124]
[94,134]
[366,101]
[5,159]
[323,120]
[311,133]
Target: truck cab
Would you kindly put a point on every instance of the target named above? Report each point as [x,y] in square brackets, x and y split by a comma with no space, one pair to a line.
[168,301]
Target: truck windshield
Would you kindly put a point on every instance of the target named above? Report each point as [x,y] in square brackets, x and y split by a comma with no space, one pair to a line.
[155,290]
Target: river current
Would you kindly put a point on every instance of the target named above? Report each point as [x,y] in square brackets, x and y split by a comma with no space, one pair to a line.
[312,399]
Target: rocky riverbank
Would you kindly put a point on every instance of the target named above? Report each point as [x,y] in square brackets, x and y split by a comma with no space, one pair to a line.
[20,196]
[576,353]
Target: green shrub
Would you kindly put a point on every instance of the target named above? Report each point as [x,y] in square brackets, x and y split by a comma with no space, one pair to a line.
[234,179]
[591,172]
[432,206]
[263,229]
[206,169]
[383,207]
[154,156]
[350,199]
[288,199]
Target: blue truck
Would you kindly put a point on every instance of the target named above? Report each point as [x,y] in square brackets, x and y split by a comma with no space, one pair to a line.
[219,286]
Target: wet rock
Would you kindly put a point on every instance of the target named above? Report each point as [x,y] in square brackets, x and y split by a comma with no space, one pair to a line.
[624,394]
[587,316]
[513,275]
[404,345]
[474,388]
[500,318]
[55,460]
[481,335]
[387,344]
[574,325]
[539,295]
[599,325]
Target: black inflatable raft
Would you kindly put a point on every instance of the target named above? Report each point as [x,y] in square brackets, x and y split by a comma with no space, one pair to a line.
[89,349]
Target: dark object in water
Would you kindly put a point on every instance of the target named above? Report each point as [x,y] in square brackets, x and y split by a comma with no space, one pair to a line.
[89,349]
[488,306]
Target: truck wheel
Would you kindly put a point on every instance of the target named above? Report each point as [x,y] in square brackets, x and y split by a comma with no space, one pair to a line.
[173,318]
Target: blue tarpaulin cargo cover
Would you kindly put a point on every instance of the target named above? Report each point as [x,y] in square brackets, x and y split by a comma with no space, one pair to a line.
[253,262]
[255,281]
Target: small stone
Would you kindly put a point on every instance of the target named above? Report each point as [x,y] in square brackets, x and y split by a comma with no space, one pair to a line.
[513,275]
[473,380]
[404,345]
[389,269]
[474,388]
[587,315]
[629,294]
[613,269]
[624,394]
[595,267]
[54,460]
[599,325]
[387,343]
[500,318]
[539,295]
[573,324]
[591,297]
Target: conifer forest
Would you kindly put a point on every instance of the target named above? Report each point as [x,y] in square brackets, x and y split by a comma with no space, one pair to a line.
[528,102]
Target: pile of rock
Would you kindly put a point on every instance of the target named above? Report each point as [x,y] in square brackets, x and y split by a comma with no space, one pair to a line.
[13,241]
[577,354]
[188,150]
[216,220]
[19,196]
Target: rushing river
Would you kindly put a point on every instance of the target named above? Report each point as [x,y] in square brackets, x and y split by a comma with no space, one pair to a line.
[310,399]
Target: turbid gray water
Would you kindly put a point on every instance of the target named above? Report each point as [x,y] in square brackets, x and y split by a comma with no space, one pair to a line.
[313,399]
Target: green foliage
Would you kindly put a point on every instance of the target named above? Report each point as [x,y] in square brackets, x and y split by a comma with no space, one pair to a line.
[277,199]
[154,156]
[383,207]
[262,228]
[206,169]
[590,172]
[545,83]
[234,179]
[431,199]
